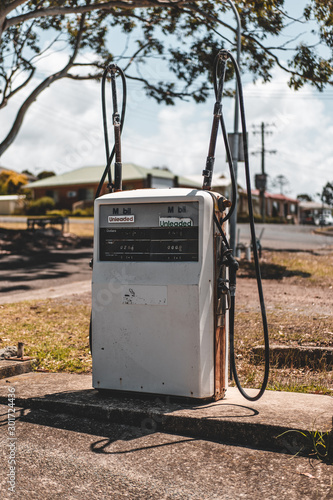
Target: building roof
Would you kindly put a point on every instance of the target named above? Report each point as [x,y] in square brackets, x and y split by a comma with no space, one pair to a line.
[313,205]
[11,197]
[273,196]
[92,175]
[218,180]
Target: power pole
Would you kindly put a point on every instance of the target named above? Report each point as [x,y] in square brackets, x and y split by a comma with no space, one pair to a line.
[261,180]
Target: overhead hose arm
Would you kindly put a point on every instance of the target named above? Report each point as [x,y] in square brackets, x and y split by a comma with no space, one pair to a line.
[223,56]
[118,123]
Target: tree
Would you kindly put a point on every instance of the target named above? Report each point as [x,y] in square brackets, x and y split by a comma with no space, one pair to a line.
[186,35]
[11,182]
[304,197]
[327,194]
[44,174]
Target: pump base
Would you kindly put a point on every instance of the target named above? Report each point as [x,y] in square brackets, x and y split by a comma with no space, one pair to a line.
[148,396]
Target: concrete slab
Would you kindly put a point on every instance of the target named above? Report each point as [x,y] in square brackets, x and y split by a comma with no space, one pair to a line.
[13,368]
[233,420]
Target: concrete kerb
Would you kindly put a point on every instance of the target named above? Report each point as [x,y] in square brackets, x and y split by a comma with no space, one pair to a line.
[277,422]
[12,368]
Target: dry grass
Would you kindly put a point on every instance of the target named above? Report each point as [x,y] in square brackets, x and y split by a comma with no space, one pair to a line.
[295,325]
[82,229]
[13,225]
[55,333]
[318,268]
[305,267]
[285,328]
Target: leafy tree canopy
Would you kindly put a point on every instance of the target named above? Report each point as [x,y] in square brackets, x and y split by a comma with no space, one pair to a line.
[44,174]
[11,182]
[304,197]
[327,194]
[186,35]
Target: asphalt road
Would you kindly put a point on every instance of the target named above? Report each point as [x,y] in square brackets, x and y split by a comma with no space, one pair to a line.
[57,267]
[286,237]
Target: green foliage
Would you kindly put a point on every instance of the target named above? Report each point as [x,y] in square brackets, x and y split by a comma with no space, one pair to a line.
[44,174]
[84,212]
[59,213]
[156,31]
[183,36]
[304,197]
[327,194]
[317,442]
[40,206]
[244,217]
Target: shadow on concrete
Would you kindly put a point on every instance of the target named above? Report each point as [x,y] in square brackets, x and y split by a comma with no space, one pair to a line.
[85,411]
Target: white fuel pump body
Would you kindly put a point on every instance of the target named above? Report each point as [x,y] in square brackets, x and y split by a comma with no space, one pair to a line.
[153,287]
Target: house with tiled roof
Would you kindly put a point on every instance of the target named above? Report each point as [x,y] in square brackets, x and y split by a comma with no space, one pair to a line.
[77,188]
[277,206]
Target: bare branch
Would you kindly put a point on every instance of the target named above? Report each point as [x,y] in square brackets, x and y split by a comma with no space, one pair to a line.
[6,97]
[39,89]
[136,54]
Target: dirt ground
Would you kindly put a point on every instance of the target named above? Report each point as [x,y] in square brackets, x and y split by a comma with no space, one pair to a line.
[286,294]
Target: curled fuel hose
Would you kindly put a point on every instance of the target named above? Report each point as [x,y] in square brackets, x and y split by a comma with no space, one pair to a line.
[109,157]
[232,268]
[112,69]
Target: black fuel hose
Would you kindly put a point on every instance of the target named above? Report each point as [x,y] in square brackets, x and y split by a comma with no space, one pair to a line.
[109,157]
[233,269]
[227,149]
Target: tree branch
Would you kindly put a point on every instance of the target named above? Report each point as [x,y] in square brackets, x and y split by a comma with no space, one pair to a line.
[211,18]
[17,89]
[63,11]
[39,89]
[13,5]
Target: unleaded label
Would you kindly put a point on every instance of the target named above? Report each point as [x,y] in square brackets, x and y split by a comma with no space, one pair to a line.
[120,219]
[175,222]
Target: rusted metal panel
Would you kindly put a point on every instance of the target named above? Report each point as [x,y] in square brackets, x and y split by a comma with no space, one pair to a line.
[219,325]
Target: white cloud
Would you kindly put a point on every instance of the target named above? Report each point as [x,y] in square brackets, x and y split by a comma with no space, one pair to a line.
[63,131]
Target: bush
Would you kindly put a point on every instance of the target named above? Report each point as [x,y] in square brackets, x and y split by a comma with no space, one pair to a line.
[244,217]
[40,206]
[84,212]
[59,213]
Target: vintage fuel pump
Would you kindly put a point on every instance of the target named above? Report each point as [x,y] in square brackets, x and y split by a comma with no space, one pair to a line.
[164,278]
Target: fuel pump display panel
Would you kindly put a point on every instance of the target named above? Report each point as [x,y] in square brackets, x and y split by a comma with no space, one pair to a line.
[159,232]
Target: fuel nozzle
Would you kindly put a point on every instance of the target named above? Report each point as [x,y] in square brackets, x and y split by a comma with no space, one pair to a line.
[223,203]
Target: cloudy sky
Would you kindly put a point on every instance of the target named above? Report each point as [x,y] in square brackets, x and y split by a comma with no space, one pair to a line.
[63,131]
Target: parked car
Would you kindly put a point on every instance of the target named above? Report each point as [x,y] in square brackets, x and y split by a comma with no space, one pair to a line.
[325,219]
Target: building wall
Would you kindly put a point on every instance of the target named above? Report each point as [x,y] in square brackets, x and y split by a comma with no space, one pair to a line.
[8,207]
[66,196]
